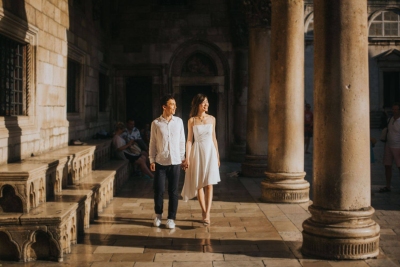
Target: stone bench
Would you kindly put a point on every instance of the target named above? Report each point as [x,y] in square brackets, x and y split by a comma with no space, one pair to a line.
[58,168]
[122,172]
[101,182]
[45,233]
[102,153]
[22,186]
[83,197]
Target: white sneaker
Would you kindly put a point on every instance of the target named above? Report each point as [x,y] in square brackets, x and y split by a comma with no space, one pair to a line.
[157,220]
[170,224]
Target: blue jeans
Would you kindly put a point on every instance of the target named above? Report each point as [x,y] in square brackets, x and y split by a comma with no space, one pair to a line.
[170,173]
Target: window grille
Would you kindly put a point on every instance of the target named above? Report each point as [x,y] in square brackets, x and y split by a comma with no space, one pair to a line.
[386,24]
[13,79]
[73,71]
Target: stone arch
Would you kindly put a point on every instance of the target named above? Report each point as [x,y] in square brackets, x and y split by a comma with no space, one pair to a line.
[42,191]
[73,231]
[308,25]
[9,249]
[183,52]
[32,196]
[10,200]
[211,73]
[42,246]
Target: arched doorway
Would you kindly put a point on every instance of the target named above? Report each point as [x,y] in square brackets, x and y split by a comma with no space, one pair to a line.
[199,67]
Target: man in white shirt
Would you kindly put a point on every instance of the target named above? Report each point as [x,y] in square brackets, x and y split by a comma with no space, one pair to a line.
[166,154]
[392,147]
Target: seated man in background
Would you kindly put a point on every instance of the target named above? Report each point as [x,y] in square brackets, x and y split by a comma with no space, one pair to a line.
[122,150]
[133,133]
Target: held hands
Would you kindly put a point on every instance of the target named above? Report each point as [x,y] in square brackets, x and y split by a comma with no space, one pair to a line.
[185,164]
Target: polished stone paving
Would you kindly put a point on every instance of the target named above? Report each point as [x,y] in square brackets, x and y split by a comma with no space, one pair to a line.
[243,231]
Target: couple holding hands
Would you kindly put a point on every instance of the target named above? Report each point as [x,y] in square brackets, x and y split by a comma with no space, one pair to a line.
[167,156]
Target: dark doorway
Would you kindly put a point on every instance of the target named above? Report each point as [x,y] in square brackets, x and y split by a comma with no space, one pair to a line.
[139,100]
[391,87]
[188,92]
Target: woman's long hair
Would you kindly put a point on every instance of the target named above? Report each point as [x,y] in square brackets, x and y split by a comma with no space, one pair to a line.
[197,100]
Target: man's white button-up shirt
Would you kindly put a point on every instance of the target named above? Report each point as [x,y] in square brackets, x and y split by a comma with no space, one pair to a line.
[167,141]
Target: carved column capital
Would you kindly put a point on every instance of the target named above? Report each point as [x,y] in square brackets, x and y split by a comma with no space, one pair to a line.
[258,12]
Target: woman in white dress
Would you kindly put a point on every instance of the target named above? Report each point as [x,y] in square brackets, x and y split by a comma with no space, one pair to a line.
[202,160]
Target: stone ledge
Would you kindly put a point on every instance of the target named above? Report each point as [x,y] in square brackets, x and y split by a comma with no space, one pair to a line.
[28,183]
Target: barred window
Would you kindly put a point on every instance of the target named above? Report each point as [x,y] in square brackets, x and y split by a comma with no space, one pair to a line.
[12,77]
[386,24]
[73,80]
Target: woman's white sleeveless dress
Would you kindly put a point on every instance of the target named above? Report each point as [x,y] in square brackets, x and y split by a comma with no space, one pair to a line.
[203,169]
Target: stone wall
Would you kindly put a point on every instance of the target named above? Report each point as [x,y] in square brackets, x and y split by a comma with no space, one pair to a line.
[152,39]
[43,25]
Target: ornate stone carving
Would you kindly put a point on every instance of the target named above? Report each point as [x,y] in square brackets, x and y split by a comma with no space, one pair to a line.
[199,65]
[258,12]
[341,234]
[285,188]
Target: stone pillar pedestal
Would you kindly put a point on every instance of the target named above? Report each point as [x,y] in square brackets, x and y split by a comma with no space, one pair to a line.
[257,102]
[341,225]
[285,175]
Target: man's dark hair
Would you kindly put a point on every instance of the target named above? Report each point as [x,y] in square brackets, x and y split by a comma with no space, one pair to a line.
[396,104]
[164,99]
[130,119]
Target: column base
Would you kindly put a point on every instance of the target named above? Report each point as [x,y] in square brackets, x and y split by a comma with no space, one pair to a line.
[285,188]
[254,166]
[341,235]
[238,152]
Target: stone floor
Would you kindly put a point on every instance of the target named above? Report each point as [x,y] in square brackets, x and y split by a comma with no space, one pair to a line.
[243,232]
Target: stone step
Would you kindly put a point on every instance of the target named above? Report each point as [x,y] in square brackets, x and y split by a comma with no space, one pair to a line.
[23,186]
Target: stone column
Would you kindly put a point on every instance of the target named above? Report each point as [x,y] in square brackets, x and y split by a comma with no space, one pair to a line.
[238,148]
[340,226]
[285,175]
[255,163]
[240,42]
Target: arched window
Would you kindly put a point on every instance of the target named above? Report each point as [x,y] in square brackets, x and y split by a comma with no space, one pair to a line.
[386,24]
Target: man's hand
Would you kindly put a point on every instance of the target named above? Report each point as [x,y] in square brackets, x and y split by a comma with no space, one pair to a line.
[152,167]
[185,164]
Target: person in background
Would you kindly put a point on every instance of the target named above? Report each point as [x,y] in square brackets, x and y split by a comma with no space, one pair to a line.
[308,126]
[392,147]
[123,151]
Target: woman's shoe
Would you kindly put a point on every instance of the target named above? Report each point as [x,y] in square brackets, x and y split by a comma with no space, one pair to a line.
[206,222]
